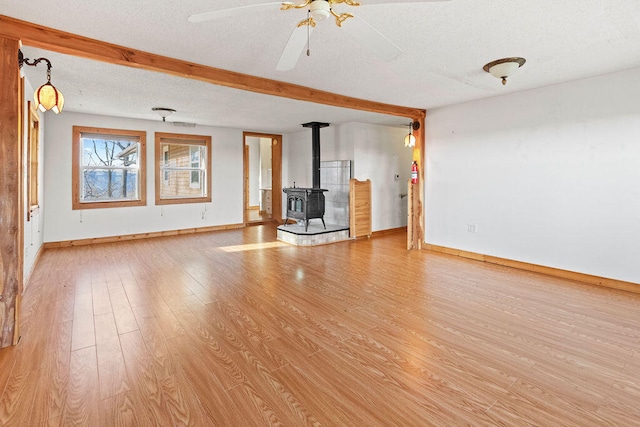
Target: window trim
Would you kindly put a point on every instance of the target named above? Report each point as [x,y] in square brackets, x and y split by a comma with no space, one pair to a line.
[33,161]
[77,169]
[185,139]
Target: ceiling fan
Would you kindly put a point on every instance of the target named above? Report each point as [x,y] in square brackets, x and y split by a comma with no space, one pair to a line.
[317,11]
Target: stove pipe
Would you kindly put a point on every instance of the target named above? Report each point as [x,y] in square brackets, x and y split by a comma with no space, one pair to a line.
[315,150]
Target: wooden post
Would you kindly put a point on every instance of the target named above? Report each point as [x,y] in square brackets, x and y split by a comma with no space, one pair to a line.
[415,234]
[10,197]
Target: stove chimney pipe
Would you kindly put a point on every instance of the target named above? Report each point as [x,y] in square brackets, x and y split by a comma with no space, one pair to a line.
[315,150]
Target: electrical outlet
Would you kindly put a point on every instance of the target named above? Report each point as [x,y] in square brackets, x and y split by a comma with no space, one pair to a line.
[472,228]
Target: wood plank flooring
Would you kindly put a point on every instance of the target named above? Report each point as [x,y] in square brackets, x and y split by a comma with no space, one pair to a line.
[233,328]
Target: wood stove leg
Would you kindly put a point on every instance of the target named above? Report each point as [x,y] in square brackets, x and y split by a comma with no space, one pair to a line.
[323,224]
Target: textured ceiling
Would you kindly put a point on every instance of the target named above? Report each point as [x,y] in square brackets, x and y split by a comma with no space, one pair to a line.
[445,45]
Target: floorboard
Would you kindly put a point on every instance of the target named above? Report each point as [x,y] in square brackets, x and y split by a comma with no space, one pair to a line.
[228,329]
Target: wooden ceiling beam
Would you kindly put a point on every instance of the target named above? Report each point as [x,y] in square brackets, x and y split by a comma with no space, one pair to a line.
[71,44]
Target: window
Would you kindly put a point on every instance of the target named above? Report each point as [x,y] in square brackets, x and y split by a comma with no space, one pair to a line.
[108,168]
[183,167]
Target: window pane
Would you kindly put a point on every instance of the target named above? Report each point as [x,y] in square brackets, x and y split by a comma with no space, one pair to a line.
[180,184]
[182,171]
[109,184]
[109,152]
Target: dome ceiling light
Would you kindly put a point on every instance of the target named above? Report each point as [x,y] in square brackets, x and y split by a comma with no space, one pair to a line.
[504,68]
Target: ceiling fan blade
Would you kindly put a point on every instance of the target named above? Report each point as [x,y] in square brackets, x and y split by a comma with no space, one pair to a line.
[234,11]
[371,39]
[368,2]
[294,48]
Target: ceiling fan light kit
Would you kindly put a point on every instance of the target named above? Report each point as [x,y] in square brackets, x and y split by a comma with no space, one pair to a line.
[504,68]
[317,11]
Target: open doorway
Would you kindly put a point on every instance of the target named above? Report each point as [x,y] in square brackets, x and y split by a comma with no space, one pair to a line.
[262,177]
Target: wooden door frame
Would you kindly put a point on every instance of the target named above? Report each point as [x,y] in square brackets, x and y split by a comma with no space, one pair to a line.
[276,173]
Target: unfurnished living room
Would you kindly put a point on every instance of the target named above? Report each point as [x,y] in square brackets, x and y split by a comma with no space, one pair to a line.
[320,212]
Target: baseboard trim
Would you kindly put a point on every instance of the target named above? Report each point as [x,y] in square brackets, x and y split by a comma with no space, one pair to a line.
[549,271]
[27,277]
[126,237]
[388,231]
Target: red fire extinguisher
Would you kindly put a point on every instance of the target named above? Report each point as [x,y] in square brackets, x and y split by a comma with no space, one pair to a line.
[414,172]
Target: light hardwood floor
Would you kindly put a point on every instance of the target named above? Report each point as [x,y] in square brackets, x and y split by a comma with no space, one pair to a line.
[233,328]
[254,217]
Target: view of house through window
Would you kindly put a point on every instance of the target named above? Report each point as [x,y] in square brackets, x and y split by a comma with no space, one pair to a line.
[108,167]
[183,162]
[195,153]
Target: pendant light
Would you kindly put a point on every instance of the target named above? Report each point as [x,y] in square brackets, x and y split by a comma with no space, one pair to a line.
[47,97]
[410,139]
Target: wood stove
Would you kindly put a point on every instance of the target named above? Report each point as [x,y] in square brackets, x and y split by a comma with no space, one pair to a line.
[308,203]
[305,204]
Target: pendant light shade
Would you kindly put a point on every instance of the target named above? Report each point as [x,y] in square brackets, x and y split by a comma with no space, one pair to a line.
[410,139]
[47,97]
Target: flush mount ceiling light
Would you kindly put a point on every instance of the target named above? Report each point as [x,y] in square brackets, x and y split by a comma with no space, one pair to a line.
[410,139]
[163,112]
[503,68]
[47,96]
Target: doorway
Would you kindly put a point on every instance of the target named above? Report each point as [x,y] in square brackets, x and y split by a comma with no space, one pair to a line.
[262,155]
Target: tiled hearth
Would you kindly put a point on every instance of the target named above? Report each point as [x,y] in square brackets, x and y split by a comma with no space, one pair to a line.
[315,235]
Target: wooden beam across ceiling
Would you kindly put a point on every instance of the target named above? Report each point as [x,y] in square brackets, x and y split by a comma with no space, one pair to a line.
[67,43]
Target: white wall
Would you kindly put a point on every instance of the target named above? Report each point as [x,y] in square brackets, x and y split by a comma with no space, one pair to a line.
[266,163]
[296,163]
[549,176]
[378,154]
[33,229]
[254,170]
[61,223]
